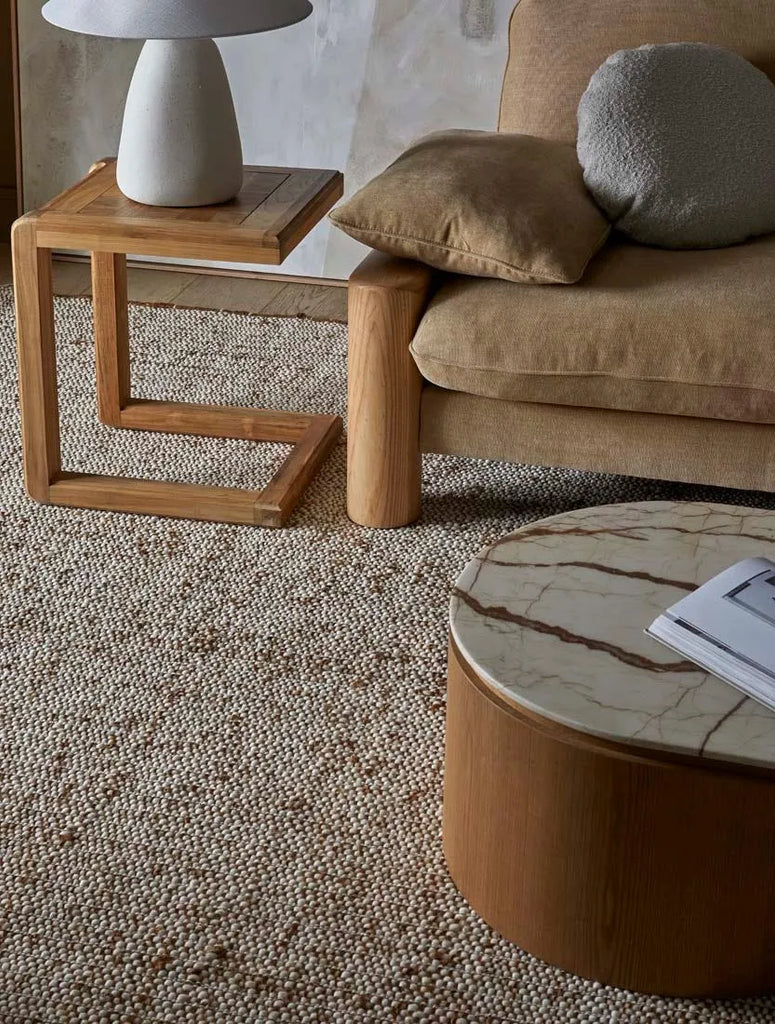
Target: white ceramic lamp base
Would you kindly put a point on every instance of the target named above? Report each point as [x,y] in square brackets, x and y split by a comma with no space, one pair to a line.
[180,144]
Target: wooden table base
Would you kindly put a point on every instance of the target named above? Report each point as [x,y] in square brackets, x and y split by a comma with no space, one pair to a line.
[646,872]
[313,436]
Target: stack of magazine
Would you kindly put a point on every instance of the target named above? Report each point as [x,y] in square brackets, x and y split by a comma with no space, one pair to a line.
[727,626]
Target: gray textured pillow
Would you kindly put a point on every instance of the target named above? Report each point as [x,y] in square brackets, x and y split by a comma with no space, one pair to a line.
[677,143]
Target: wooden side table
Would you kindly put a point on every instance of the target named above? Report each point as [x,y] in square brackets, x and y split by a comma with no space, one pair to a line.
[276,209]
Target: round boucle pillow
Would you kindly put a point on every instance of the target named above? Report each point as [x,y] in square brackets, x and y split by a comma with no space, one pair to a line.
[677,143]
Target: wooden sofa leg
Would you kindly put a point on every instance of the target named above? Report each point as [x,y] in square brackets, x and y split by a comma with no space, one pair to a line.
[387,298]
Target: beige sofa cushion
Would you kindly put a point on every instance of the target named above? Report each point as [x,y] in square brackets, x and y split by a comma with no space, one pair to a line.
[649,330]
[505,206]
[556,45]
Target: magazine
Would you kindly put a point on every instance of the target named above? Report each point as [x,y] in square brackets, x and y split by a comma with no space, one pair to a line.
[727,627]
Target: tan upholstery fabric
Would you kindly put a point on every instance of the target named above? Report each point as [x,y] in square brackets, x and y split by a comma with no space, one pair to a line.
[658,447]
[682,333]
[556,45]
[505,206]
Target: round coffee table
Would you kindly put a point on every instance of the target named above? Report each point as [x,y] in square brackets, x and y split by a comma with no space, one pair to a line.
[608,806]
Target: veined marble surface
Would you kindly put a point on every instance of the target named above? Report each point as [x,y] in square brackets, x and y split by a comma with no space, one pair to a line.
[552,617]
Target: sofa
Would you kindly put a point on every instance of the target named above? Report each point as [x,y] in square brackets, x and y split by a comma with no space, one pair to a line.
[657,363]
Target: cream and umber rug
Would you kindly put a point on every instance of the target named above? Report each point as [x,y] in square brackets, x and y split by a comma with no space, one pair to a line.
[221,748]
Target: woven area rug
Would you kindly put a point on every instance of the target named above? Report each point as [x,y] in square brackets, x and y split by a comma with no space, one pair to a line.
[221,748]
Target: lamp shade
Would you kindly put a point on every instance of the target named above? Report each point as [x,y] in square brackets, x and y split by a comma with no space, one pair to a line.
[174,19]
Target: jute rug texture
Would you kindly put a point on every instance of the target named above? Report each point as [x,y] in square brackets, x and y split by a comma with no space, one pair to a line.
[221,748]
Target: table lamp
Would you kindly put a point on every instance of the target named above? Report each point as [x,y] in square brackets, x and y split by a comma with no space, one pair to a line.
[180,144]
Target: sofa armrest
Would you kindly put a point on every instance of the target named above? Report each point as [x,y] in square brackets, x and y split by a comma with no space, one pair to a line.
[379,270]
[387,298]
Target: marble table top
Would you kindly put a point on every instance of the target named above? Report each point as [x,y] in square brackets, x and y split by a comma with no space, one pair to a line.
[552,618]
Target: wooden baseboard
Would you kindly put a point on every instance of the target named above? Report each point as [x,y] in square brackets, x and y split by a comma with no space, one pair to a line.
[182,268]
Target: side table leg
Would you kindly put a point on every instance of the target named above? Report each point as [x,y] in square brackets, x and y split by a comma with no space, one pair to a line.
[111,335]
[37,359]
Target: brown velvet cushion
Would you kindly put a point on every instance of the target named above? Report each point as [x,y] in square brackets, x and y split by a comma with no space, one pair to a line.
[649,330]
[556,45]
[484,204]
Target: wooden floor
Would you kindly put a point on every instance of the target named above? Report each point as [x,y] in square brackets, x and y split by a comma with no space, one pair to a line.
[204,291]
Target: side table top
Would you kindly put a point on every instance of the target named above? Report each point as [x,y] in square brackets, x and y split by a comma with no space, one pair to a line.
[276,208]
[552,618]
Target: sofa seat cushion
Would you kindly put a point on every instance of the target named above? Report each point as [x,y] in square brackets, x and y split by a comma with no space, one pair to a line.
[687,333]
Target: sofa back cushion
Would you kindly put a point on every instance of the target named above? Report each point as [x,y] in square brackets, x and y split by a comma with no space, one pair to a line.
[556,45]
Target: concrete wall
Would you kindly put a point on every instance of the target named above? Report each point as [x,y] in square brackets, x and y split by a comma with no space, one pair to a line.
[348,88]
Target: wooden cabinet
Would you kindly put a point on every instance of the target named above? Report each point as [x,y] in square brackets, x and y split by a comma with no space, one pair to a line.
[8,209]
